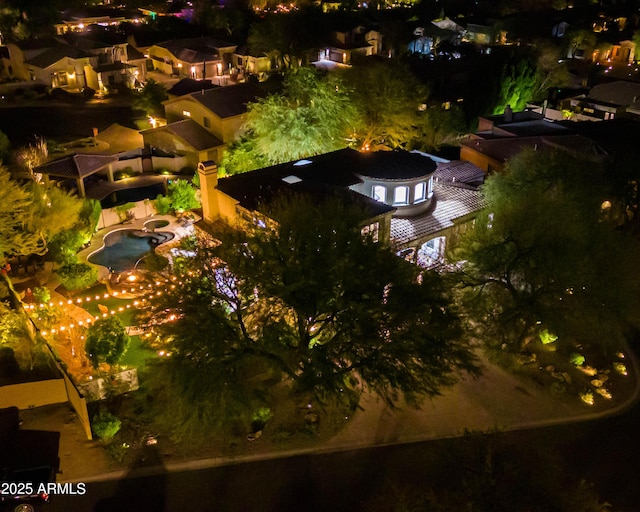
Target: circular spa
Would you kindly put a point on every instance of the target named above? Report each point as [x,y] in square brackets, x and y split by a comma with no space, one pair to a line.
[125,248]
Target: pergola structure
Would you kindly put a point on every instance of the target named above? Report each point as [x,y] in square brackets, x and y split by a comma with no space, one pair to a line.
[78,167]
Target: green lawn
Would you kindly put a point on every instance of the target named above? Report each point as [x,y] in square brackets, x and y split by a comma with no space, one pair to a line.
[111,303]
[136,354]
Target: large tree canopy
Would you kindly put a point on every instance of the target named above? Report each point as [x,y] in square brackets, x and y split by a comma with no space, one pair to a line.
[544,255]
[387,98]
[312,116]
[15,204]
[313,305]
[289,39]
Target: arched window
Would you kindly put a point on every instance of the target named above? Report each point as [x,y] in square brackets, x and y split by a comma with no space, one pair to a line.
[430,188]
[420,192]
[401,195]
[379,193]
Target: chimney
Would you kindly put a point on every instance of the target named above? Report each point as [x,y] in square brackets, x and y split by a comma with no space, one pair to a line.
[508,114]
[208,174]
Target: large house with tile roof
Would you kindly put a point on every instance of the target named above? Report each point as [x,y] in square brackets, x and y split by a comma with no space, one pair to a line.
[413,204]
[185,138]
[57,63]
[221,111]
[201,57]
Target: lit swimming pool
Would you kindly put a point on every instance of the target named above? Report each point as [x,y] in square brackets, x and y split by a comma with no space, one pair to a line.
[123,249]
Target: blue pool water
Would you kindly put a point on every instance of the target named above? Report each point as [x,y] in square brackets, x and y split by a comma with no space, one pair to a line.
[124,248]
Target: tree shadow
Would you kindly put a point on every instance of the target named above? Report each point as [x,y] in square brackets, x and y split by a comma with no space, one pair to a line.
[142,488]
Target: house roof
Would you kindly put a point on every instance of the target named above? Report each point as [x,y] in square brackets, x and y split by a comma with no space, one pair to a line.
[459,172]
[191,133]
[196,50]
[133,53]
[503,149]
[52,55]
[76,166]
[321,175]
[229,101]
[121,138]
[349,46]
[616,93]
[529,128]
[393,165]
[451,203]
[189,85]
[247,51]
[112,66]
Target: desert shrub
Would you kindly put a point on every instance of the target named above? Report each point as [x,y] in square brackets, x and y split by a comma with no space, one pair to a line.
[77,276]
[124,211]
[42,294]
[183,195]
[162,205]
[155,262]
[105,425]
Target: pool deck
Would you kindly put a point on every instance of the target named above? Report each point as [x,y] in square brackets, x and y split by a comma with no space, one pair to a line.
[97,241]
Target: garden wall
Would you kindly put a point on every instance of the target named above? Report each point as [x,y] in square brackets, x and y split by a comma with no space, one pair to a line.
[109,217]
[171,164]
[33,394]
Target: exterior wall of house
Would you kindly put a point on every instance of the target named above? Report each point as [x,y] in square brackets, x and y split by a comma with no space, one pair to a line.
[171,144]
[413,205]
[33,394]
[16,61]
[483,161]
[166,142]
[251,64]
[226,129]
[216,205]
[165,62]
[208,174]
[374,38]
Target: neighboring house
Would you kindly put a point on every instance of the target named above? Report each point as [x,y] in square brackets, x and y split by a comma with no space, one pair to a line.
[189,85]
[56,63]
[559,29]
[221,111]
[492,154]
[177,10]
[202,57]
[406,207]
[119,139]
[623,52]
[251,63]
[355,41]
[607,101]
[51,62]
[422,45]
[526,123]
[104,16]
[184,138]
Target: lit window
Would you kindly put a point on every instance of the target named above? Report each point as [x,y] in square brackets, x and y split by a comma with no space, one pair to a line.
[371,231]
[430,188]
[401,195]
[380,193]
[419,193]
[186,113]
